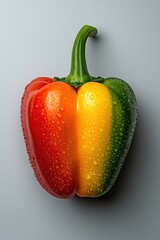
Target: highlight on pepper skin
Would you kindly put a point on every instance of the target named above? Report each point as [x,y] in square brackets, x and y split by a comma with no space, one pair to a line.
[78,129]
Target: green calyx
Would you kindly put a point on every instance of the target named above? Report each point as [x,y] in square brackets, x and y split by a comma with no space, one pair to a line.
[79,73]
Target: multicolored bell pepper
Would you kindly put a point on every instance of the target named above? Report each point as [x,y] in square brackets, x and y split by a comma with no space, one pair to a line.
[78,129]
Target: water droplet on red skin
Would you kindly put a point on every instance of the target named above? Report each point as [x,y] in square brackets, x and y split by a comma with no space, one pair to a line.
[61,109]
[59,115]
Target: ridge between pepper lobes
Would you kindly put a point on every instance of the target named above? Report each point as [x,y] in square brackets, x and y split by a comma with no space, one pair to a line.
[78,129]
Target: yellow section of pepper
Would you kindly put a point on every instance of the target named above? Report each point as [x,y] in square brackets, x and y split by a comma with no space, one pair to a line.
[94,121]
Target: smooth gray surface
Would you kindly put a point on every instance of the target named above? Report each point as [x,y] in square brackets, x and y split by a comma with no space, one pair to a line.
[36,40]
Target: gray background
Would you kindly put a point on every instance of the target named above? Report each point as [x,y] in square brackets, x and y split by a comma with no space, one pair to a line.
[35,40]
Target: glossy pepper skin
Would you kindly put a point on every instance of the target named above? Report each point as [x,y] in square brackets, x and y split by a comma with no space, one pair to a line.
[78,129]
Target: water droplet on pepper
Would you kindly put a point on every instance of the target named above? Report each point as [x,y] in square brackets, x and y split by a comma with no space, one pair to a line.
[91,97]
[88,176]
[61,109]
[59,115]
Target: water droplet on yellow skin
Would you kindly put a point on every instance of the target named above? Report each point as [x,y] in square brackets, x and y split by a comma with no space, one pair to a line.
[89,177]
[91,97]
[94,163]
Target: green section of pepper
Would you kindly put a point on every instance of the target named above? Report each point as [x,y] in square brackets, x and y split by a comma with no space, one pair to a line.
[123,126]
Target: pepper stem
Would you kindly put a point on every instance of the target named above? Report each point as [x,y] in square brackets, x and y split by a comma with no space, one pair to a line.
[79,73]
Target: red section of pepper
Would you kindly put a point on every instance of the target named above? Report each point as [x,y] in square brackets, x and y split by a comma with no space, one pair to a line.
[45,102]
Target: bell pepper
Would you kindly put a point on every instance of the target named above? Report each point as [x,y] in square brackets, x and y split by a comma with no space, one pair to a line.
[78,129]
